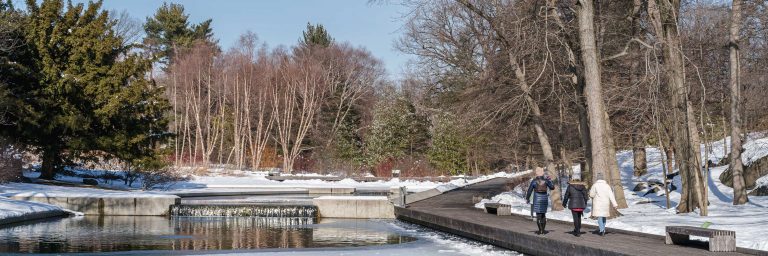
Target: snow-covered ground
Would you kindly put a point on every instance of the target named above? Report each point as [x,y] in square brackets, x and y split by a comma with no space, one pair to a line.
[12,208]
[237,180]
[259,180]
[248,179]
[32,190]
[246,182]
[649,214]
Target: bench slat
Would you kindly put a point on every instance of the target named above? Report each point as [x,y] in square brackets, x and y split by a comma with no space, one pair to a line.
[696,231]
[719,240]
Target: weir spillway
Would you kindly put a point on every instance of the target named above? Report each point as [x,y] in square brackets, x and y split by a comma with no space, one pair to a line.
[248,210]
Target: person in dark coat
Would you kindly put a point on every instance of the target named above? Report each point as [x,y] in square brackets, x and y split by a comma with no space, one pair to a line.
[576,198]
[540,187]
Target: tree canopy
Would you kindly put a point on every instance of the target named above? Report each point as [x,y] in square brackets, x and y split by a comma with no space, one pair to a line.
[78,90]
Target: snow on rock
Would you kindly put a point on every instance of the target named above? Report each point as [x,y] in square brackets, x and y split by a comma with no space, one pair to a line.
[649,214]
[13,209]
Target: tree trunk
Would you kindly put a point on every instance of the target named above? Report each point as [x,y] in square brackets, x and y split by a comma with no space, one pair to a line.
[603,151]
[670,154]
[546,147]
[615,175]
[664,16]
[725,125]
[50,164]
[638,155]
[637,137]
[586,170]
[737,168]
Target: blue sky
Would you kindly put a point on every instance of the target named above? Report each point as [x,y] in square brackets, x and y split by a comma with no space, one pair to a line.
[280,22]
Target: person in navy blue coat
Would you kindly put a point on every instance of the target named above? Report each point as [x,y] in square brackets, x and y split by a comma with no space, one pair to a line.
[540,187]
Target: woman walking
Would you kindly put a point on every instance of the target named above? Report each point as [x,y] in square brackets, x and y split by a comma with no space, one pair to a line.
[576,199]
[540,187]
[602,200]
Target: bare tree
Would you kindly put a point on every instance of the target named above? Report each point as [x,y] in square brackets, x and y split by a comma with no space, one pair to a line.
[664,15]
[602,160]
[737,168]
[297,95]
[197,101]
[129,29]
[520,75]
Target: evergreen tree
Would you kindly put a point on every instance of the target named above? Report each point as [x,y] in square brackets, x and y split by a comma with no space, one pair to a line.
[169,31]
[10,38]
[448,151]
[79,90]
[316,35]
[347,142]
[397,131]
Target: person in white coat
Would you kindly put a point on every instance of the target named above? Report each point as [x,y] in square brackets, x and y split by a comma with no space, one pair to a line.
[602,200]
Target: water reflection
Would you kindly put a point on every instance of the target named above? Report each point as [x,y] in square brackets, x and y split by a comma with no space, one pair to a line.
[128,233]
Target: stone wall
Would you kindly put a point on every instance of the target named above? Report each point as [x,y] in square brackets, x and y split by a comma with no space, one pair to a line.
[117,206]
[356,207]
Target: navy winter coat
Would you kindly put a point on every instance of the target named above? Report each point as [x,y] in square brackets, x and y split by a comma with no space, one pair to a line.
[540,199]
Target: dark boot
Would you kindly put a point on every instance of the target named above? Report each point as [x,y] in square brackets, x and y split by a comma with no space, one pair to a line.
[539,216]
[577,222]
[543,226]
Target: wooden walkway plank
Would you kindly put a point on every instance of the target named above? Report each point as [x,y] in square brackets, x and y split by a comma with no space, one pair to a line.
[454,212]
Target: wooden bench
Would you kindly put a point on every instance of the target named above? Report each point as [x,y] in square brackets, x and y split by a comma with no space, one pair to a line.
[719,240]
[498,209]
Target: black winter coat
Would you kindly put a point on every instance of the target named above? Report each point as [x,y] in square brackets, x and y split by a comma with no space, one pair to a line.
[576,196]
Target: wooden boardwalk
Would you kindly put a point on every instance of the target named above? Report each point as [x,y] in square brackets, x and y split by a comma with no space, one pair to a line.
[454,212]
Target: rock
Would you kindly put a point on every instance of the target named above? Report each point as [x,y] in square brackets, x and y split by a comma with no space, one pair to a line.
[640,186]
[760,191]
[91,182]
[752,172]
[723,162]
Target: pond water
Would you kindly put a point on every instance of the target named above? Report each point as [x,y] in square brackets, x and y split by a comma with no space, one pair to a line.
[146,235]
[129,233]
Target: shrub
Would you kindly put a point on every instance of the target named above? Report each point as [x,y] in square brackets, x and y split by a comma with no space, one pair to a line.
[162,178]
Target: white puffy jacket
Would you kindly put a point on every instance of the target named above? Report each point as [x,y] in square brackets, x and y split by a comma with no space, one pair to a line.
[602,198]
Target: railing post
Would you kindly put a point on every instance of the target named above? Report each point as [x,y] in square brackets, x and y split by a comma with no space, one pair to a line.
[403,192]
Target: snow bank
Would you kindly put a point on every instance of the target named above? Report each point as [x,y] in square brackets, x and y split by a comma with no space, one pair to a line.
[13,209]
[33,190]
[649,214]
[258,180]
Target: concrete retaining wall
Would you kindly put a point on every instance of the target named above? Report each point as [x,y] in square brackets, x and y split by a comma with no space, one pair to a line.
[128,206]
[331,190]
[357,207]
[415,197]
[529,244]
